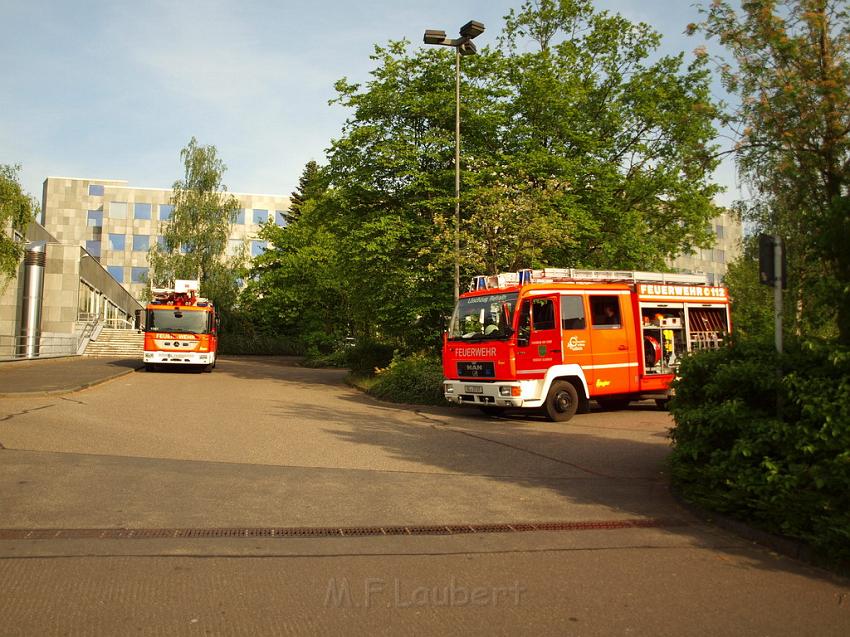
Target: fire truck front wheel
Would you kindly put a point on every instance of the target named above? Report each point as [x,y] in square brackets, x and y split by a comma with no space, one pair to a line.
[562,401]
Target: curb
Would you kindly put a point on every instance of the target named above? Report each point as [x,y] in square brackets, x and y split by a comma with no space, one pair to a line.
[795,549]
[68,390]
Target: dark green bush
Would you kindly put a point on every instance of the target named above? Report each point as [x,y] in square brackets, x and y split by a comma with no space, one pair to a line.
[416,379]
[259,344]
[338,358]
[368,355]
[767,448]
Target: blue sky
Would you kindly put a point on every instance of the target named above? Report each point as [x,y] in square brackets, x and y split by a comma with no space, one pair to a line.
[114,89]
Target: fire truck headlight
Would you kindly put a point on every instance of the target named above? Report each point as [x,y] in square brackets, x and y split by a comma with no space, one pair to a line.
[504,390]
[448,389]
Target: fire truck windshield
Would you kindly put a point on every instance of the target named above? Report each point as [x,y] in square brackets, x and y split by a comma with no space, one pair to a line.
[483,317]
[178,320]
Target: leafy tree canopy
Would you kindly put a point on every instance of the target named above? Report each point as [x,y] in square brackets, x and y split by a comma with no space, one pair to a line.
[586,150]
[195,239]
[16,210]
[791,71]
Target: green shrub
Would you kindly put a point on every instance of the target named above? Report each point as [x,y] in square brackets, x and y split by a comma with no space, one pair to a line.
[416,379]
[786,473]
[368,355]
[337,358]
[259,344]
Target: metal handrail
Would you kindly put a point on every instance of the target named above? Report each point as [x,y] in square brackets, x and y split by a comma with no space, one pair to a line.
[51,346]
[86,335]
[119,324]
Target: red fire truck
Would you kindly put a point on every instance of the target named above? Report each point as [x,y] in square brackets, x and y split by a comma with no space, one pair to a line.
[557,338]
[180,328]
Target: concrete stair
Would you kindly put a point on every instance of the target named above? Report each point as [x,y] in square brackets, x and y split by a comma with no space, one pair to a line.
[112,342]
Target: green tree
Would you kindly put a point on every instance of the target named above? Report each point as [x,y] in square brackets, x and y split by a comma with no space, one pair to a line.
[752,302]
[582,153]
[195,239]
[16,210]
[791,71]
[295,289]
[626,141]
[311,185]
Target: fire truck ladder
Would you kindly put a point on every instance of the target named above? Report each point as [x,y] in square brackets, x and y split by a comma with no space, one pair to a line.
[572,275]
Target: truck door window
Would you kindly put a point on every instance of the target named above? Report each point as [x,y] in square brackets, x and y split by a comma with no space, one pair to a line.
[543,314]
[605,311]
[572,313]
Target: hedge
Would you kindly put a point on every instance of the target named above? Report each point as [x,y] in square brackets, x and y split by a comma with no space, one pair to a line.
[766,439]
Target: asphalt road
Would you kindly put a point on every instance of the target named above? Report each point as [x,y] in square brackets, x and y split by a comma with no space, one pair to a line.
[264,446]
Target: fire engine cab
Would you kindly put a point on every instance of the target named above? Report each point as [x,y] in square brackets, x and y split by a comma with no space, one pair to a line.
[557,338]
[181,328]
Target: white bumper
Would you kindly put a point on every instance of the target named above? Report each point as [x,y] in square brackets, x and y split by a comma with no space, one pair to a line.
[524,393]
[180,358]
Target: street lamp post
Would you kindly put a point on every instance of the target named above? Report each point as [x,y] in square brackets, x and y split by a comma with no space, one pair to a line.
[462,46]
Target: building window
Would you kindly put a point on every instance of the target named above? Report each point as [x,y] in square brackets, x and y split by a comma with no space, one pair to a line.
[160,241]
[234,247]
[720,255]
[117,210]
[139,275]
[719,231]
[116,242]
[257,248]
[116,272]
[240,216]
[142,211]
[141,243]
[88,302]
[280,218]
[93,248]
[95,219]
[95,190]
[165,211]
[260,216]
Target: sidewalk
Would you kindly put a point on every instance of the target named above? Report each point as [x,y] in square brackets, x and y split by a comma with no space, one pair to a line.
[60,375]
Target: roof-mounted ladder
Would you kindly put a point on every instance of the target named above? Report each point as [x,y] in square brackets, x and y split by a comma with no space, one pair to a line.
[573,275]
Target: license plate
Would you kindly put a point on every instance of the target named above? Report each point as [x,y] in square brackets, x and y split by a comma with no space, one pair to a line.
[474,389]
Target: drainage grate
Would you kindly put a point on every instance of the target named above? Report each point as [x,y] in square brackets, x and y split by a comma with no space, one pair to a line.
[318,532]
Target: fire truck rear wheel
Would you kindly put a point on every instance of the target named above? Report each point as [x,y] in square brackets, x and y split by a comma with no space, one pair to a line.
[562,401]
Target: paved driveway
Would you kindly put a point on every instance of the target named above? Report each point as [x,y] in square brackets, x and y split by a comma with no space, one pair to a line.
[261,446]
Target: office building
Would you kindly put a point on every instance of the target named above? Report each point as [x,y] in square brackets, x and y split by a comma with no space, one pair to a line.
[117,223]
[714,261]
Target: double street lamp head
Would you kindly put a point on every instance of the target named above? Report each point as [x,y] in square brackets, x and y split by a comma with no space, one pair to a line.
[463,44]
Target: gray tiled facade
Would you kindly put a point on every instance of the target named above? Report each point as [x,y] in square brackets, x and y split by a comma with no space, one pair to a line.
[714,261]
[76,290]
[117,223]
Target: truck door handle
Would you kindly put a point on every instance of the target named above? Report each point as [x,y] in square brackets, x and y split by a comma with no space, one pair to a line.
[623,347]
[556,351]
